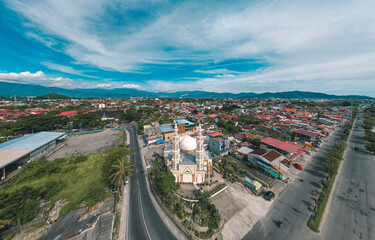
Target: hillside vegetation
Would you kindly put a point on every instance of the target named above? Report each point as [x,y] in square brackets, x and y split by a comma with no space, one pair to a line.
[80,180]
[53,96]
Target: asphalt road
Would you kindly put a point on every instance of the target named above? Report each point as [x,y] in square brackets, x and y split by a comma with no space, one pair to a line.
[352,211]
[144,221]
[291,206]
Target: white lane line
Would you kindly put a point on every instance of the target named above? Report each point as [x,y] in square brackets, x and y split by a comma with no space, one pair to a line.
[143,217]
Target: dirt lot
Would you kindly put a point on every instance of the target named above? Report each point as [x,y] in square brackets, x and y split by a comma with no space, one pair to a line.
[240,210]
[88,143]
[150,150]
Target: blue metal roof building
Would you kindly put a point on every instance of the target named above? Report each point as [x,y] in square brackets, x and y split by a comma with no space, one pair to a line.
[32,141]
[27,148]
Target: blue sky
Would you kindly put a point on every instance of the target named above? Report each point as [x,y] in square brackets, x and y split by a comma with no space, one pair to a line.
[221,46]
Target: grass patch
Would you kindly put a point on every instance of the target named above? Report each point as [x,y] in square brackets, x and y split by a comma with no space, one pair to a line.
[75,179]
[78,179]
[10,236]
[116,225]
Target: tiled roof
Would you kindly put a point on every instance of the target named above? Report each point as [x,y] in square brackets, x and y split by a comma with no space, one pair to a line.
[259,151]
[307,133]
[215,134]
[271,155]
[67,113]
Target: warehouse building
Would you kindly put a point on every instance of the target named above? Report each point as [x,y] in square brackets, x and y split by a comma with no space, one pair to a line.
[17,152]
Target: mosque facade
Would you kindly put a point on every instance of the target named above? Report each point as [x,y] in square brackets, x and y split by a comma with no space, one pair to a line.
[187,159]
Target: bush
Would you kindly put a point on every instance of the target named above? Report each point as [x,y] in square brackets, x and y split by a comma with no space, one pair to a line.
[68,207]
[22,203]
[95,193]
[10,236]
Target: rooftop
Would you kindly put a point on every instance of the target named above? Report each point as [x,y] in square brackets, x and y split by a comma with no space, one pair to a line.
[285,146]
[307,133]
[215,134]
[271,155]
[245,150]
[166,128]
[67,113]
[16,148]
[259,151]
[31,142]
[183,121]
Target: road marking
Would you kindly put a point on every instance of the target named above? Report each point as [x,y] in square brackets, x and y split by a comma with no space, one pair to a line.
[143,217]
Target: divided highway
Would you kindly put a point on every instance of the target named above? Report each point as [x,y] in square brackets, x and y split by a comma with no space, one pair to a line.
[291,206]
[351,213]
[144,222]
[352,210]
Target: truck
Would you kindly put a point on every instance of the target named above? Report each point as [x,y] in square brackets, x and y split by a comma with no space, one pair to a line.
[160,141]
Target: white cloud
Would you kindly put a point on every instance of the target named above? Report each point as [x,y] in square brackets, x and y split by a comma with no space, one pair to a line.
[216,71]
[65,69]
[313,44]
[104,85]
[38,78]
[135,86]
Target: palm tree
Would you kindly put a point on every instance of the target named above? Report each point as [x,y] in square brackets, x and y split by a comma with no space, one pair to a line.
[123,169]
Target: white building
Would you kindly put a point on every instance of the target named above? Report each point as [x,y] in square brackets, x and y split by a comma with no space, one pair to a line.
[187,159]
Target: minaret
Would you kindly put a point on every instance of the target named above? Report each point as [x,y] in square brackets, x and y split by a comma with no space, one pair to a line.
[176,148]
[199,151]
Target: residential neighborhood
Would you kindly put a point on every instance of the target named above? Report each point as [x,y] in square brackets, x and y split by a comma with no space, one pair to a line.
[222,151]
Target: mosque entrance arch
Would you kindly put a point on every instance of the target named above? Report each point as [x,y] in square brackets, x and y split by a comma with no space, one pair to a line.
[187,176]
[199,178]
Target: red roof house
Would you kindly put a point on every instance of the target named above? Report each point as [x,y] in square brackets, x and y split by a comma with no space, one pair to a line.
[286,147]
[67,113]
[216,134]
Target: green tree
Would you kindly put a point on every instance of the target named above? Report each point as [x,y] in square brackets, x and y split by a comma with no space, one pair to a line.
[123,169]
[168,183]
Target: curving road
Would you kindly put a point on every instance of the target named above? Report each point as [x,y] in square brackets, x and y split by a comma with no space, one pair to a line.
[144,222]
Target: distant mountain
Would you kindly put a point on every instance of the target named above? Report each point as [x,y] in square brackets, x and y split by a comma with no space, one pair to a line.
[11,89]
[53,96]
[305,95]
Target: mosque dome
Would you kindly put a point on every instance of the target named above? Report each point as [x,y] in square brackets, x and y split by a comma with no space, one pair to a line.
[188,144]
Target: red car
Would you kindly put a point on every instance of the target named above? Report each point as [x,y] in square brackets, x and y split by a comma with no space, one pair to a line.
[298,166]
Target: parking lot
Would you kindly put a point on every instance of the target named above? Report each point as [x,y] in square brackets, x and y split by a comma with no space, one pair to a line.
[88,143]
[239,209]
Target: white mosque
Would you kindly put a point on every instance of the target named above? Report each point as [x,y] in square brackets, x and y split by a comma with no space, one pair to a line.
[187,159]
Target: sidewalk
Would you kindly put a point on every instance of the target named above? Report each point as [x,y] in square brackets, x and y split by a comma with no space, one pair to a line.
[123,231]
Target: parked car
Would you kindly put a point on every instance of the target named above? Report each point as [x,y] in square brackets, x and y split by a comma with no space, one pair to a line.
[298,166]
[316,144]
[269,195]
